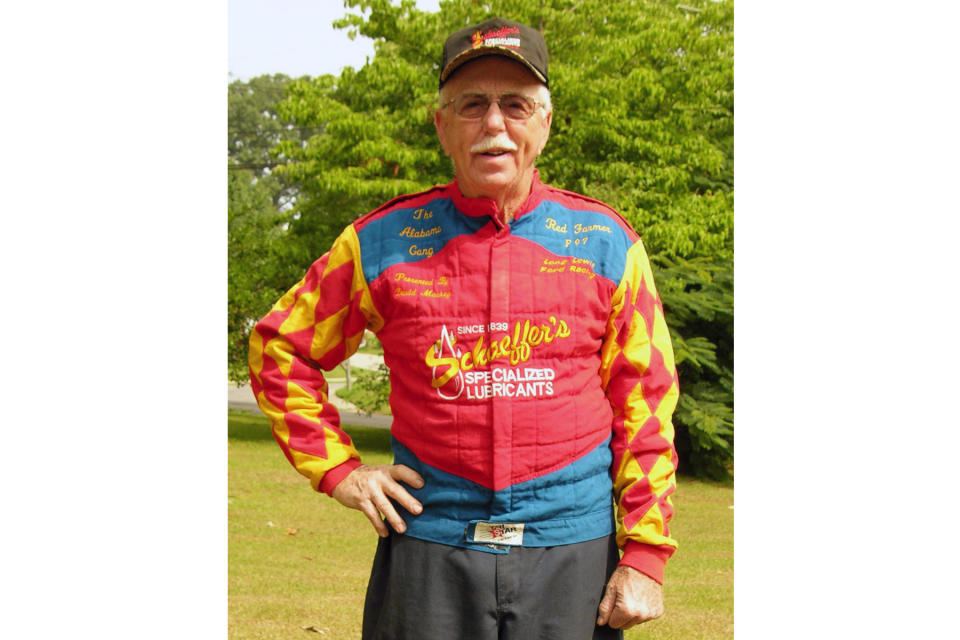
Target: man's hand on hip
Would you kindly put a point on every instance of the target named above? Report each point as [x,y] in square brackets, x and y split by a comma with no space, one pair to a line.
[367,489]
[631,598]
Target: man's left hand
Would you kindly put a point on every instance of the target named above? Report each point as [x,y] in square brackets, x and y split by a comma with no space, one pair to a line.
[631,598]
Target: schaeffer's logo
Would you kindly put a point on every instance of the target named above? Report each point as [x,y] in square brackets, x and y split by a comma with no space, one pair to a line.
[448,362]
[496,37]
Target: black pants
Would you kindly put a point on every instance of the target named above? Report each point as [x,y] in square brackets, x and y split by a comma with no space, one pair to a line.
[426,591]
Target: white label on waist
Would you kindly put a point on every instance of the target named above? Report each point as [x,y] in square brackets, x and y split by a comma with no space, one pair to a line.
[499,533]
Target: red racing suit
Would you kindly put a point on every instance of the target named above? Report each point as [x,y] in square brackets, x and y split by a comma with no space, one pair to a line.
[532,375]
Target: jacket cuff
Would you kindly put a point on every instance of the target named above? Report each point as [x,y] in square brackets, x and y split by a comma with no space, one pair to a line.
[333,477]
[646,558]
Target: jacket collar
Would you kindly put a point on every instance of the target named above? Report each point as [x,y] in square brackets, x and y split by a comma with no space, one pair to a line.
[476,207]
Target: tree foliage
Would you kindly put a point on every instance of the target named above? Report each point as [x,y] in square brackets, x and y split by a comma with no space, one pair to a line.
[643,99]
[261,261]
[254,129]
[370,392]
[697,298]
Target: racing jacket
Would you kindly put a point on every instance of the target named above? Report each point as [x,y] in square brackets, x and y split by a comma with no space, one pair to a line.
[531,371]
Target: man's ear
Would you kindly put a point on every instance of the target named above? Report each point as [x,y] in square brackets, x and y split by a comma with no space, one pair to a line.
[441,129]
[548,120]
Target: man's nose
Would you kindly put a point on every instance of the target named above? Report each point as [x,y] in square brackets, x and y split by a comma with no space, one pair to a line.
[493,119]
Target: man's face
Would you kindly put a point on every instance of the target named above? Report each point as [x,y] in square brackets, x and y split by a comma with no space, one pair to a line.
[506,169]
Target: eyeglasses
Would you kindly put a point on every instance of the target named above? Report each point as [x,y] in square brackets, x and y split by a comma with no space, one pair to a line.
[473,106]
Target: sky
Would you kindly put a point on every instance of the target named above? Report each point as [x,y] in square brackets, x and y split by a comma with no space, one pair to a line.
[293,37]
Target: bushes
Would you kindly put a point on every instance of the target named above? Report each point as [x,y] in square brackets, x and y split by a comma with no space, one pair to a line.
[697,298]
[370,391]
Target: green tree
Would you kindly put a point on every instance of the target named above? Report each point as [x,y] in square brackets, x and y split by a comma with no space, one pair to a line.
[262,260]
[259,267]
[643,97]
[697,298]
[254,128]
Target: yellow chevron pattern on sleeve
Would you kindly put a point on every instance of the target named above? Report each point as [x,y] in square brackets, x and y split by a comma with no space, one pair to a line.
[323,317]
[639,374]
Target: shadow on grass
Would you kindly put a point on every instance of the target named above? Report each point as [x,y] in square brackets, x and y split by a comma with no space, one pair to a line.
[683,477]
[242,425]
[369,438]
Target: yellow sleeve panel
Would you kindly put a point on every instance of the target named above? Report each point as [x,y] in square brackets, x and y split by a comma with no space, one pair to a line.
[316,325]
[639,374]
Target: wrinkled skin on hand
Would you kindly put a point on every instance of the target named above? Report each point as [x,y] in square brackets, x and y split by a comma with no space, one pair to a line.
[631,598]
[368,489]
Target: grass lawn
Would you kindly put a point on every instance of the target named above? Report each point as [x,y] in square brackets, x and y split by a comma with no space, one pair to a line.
[297,559]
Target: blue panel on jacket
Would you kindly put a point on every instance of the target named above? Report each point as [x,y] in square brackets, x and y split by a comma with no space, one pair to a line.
[587,235]
[412,234]
[572,504]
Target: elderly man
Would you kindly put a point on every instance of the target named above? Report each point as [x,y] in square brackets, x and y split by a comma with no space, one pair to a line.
[532,380]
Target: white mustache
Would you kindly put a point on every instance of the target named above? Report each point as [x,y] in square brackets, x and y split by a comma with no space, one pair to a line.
[499,141]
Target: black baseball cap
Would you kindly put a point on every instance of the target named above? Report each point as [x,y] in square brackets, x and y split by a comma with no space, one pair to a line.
[496,37]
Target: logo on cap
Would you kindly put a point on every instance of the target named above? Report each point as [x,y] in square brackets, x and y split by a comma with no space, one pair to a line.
[497,37]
